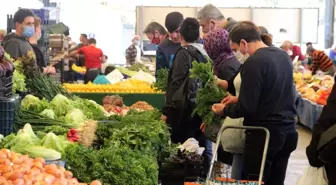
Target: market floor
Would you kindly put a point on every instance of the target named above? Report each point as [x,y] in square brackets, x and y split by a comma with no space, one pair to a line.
[298,161]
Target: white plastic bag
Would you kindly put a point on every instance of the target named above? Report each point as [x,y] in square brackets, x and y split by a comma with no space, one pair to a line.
[313,176]
[191,145]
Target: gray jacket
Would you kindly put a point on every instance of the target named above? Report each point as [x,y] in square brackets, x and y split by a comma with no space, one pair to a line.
[231,24]
[16,46]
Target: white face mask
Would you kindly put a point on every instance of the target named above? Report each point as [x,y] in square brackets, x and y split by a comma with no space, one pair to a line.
[241,57]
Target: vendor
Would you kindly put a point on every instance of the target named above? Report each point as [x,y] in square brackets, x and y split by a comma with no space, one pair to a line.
[321,61]
[38,53]
[94,58]
[133,52]
[292,50]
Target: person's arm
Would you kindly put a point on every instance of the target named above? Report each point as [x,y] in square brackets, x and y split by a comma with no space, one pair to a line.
[316,62]
[160,60]
[250,89]
[102,57]
[75,52]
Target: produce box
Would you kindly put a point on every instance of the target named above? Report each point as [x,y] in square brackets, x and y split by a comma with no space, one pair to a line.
[58,41]
[7,110]
[156,100]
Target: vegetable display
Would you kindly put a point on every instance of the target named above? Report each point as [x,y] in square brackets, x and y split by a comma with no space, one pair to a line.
[127,86]
[208,94]
[131,144]
[19,169]
[137,67]
[161,80]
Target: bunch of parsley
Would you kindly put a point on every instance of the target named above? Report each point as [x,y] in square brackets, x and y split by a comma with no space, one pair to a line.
[208,94]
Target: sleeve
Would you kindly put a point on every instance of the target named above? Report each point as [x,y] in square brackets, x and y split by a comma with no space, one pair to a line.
[316,63]
[180,70]
[228,73]
[250,89]
[13,49]
[160,60]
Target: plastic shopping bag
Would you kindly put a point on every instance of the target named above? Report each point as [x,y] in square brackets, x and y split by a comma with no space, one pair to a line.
[313,176]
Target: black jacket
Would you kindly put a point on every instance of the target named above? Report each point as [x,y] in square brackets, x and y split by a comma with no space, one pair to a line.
[326,120]
[39,57]
[228,70]
[181,95]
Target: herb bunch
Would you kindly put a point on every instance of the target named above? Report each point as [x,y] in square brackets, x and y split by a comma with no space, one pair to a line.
[208,94]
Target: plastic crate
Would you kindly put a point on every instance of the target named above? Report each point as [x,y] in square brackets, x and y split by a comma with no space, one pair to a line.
[59,162]
[7,113]
[6,81]
[6,91]
[43,14]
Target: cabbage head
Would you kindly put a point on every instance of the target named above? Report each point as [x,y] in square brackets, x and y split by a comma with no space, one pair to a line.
[75,118]
[48,113]
[61,105]
[33,104]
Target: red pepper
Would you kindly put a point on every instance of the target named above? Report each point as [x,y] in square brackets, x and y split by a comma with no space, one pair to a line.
[118,110]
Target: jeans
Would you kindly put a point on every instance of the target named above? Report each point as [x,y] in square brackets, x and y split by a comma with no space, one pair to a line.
[281,145]
[90,75]
[237,166]
[207,154]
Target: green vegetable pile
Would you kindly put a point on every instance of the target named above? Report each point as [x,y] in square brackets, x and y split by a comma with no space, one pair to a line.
[60,111]
[161,80]
[44,86]
[49,147]
[126,150]
[137,67]
[208,94]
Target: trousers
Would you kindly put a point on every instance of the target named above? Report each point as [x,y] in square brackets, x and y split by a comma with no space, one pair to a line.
[281,145]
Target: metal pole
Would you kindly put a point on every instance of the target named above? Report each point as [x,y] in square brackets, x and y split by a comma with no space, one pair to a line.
[329,23]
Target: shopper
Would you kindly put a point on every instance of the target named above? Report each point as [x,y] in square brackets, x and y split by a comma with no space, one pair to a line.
[176,112]
[210,17]
[156,33]
[16,44]
[266,99]
[226,65]
[327,119]
[38,53]
[133,52]
[93,60]
[321,61]
[167,49]
[292,50]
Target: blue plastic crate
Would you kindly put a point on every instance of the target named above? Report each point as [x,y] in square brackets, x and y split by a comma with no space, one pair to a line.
[43,14]
[7,113]
[59,162]
[6,81]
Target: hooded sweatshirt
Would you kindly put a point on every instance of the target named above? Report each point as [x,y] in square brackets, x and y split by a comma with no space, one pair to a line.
[16,46]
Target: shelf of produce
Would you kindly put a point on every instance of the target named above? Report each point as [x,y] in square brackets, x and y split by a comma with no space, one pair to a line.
[154,99]
[308,111]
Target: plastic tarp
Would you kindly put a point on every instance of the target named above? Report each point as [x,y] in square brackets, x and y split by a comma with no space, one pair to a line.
[308,111]
[59,28]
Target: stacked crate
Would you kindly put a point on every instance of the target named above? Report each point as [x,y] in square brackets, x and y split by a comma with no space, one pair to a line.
[43,43]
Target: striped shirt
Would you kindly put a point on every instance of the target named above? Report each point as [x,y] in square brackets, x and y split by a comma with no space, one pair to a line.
[320,61]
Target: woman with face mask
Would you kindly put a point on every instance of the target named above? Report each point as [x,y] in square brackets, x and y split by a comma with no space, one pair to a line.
[38,53]
[226,68]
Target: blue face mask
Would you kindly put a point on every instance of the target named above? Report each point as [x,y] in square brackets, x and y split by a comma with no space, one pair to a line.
[28,31]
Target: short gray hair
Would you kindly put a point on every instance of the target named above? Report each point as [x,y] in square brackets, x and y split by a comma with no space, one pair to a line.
[210,11]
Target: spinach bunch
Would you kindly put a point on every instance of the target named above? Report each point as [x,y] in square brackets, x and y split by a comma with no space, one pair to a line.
[208,94]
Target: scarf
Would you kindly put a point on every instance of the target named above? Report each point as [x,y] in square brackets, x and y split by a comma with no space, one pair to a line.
[216,44]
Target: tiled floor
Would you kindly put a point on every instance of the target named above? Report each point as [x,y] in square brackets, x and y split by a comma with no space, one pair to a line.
[298,161]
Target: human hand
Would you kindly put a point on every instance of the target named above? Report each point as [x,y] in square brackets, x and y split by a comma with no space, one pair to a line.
[229,100]
[50,70]
[202,127]
[164,118]
[218,109]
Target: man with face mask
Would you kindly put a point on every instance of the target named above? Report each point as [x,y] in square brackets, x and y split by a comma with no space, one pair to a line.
[167,49]
[133,52]
[266,99]
[210,17]
[16,44]
[38,53]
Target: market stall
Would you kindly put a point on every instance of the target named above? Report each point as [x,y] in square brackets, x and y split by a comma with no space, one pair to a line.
[312,95]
